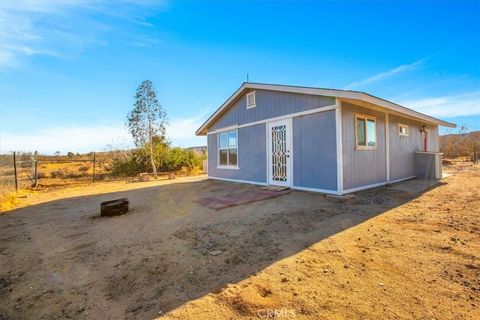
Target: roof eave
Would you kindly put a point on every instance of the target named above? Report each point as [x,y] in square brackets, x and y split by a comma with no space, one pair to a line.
[347,94]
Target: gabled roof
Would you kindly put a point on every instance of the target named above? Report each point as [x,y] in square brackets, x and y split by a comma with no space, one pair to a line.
[351,95]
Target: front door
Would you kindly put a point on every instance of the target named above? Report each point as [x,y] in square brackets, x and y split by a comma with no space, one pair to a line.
[280,154]
[425,140]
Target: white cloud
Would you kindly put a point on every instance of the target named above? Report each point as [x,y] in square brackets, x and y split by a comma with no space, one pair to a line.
[467,104]
[184,128]
[181,132]
[386,74]
[64,139]
[65,27]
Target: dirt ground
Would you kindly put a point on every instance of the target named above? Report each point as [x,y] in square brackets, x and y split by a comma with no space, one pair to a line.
[382,253]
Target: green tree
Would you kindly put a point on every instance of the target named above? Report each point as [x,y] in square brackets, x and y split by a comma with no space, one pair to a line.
[147,120]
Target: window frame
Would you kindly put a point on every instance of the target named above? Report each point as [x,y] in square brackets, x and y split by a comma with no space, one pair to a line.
[227,166]
[400,133]
[365,117]
[252,93]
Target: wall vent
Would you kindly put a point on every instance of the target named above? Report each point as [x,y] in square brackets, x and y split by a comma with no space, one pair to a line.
[251,100]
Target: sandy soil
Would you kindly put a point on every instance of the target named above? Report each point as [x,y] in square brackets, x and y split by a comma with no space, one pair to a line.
[383,253]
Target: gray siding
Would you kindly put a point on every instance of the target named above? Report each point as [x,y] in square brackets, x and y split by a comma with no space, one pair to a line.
[362,167]
[269,104]
[315,151]
[433,139]
[402,148]
[252,161]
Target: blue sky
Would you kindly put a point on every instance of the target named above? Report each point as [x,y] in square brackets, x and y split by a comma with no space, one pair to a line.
[69,69]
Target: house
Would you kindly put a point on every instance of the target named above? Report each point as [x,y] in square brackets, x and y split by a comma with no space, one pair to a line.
[325,140]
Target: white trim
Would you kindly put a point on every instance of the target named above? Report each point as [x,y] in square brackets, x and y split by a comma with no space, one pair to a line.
[223,129]
[376,185]
[387,147]
[346,94]
[427,152]
[228,167]
[289,127]
[338,137]
[402,179]
[365,187]
[290,151]
[240,181]
[267,146]
[254,99]
[366,118]
[315,190]
[291,115]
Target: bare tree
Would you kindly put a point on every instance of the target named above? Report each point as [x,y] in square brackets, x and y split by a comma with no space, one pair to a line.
[147,119]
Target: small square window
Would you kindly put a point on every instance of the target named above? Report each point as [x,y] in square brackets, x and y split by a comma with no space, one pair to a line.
[402,129]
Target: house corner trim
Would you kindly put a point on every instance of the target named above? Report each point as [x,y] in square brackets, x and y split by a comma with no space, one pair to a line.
[338,137]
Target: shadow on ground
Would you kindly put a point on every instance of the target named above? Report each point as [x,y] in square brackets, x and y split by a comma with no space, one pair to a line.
[59,260]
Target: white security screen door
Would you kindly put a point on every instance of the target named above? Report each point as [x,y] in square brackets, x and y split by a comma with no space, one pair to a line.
[280,160]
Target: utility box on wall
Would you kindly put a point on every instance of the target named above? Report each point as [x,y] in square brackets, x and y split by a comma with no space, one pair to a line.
[428,165]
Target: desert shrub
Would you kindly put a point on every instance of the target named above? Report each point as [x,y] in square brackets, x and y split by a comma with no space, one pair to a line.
[128,165]
[179,158]
[65,173]
[41,175]
[73,174]
[461,144]
[166,159]
[8,172]
[83,168]
[58,174]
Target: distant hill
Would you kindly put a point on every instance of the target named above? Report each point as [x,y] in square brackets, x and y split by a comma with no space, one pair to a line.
[460,144]
[198,149]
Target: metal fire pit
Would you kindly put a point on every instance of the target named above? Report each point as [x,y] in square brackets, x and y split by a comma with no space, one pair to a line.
[114,207]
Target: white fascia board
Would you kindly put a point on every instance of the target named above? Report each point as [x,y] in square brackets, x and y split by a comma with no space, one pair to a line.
[201,130]
[403,110]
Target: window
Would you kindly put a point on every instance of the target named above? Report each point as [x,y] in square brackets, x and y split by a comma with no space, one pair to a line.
[251,103]
[402,129]
[228,149]
[365,132]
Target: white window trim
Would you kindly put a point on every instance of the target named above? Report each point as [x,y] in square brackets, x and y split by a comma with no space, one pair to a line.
[222,166]
[254,100]
[365,117]
[400,132]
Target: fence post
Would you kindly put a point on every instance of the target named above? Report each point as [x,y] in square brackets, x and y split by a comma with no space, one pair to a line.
[15,170]
[35,174]
[93,177]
